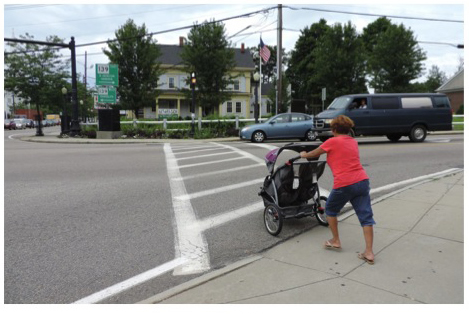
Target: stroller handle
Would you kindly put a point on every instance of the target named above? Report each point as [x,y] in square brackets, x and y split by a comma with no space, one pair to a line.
[290,161]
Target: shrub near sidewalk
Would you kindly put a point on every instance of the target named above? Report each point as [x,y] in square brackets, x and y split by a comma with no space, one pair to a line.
[219,128]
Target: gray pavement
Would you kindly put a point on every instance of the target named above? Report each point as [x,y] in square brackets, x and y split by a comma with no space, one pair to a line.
[418,245]
[419,258]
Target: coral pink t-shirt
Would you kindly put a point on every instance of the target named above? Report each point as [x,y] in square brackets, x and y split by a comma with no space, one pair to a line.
[344,160]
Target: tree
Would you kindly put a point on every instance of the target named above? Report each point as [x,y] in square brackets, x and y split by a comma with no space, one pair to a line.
[435,79]
[208,54]
[36,73]
[300,66]
[285,102]
[136,55]
[338,63]
[394,58]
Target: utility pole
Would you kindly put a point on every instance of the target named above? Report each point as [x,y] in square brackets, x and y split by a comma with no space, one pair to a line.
[279,58]
[85,110]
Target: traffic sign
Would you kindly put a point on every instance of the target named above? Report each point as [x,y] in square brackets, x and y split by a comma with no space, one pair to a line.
[107,95]
[107,74]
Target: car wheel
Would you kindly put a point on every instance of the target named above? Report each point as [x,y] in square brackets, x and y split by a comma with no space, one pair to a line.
[258,137]
[311,135]
[418,133]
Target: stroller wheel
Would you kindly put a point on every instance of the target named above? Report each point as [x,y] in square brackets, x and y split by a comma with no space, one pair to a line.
[273,220]
[320,211]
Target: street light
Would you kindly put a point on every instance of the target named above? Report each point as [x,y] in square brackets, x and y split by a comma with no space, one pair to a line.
[64,122]
[256,78]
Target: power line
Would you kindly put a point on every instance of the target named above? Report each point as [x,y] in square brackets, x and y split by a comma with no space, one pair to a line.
[379,15]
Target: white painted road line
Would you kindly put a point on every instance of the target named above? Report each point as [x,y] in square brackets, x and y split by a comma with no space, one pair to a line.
[242,153]
[203,156]
[210,162]
[129,283]
[196,151]
[214,173]
[220,189]
[190,242]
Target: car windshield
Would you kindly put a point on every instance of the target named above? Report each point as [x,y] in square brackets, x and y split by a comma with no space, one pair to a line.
[339,103]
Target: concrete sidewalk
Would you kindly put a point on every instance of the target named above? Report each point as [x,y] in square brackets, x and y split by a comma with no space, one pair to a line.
[419,258]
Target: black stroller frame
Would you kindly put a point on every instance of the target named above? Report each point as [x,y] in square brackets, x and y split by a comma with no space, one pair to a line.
[292,190]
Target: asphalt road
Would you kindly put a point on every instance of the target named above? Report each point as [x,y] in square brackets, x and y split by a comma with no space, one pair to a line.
[106,224]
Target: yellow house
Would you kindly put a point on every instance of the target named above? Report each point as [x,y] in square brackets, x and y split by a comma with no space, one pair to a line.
[172,102]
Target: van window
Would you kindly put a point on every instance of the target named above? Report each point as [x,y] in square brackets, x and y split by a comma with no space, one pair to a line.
[441,102]
[416,102]
[339,103]
[385,102]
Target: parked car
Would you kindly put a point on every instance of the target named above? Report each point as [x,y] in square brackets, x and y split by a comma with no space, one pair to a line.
[29,123]
[20,123]
[281,126]
[392,115]
[45,123]
[10,124]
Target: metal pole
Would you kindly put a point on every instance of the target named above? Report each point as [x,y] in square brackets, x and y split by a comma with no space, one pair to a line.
[256,106]
[279,58]
[75,127]
[193,111]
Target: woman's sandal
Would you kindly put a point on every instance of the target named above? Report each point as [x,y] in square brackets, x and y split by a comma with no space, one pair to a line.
[362,257]
[328,245]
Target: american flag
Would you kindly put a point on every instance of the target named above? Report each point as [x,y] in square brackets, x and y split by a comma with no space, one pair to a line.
[264,51]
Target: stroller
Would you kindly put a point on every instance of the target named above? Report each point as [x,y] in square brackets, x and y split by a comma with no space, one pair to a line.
[292,190]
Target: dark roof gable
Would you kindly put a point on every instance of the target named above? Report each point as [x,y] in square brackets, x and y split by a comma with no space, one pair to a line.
[170,55]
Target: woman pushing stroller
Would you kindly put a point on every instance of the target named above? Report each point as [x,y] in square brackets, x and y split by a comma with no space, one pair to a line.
[351,183]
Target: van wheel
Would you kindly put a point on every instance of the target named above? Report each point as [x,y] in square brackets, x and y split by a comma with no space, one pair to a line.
[418,133]
[393,137]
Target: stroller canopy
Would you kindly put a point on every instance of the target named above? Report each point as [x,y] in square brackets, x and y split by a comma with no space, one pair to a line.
[272,155]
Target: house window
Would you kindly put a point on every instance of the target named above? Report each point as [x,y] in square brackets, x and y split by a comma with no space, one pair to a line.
[238,107]
[171,82]
[229,106]
[236,85]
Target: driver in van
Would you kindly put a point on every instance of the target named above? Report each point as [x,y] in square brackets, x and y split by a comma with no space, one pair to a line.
[362,104]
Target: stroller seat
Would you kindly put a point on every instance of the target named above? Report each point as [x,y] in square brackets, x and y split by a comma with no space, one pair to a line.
[281,183]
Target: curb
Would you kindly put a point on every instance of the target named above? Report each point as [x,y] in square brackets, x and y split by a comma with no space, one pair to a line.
[200,280]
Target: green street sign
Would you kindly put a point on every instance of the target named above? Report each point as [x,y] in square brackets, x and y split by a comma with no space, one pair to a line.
[107,95]
[107,74]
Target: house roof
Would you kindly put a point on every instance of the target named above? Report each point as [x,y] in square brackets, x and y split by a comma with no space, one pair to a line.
[454,84]
[170,54]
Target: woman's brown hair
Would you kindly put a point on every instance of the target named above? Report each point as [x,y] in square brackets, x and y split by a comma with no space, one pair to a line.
[342,124]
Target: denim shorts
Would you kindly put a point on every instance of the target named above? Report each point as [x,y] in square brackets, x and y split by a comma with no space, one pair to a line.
[359,195]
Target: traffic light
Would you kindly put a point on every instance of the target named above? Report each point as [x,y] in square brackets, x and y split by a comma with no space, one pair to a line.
[193,79]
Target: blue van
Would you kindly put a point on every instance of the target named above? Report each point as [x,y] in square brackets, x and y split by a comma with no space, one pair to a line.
[392,115]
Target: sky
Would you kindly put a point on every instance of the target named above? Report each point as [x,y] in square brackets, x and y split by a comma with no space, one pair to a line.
[91,23]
